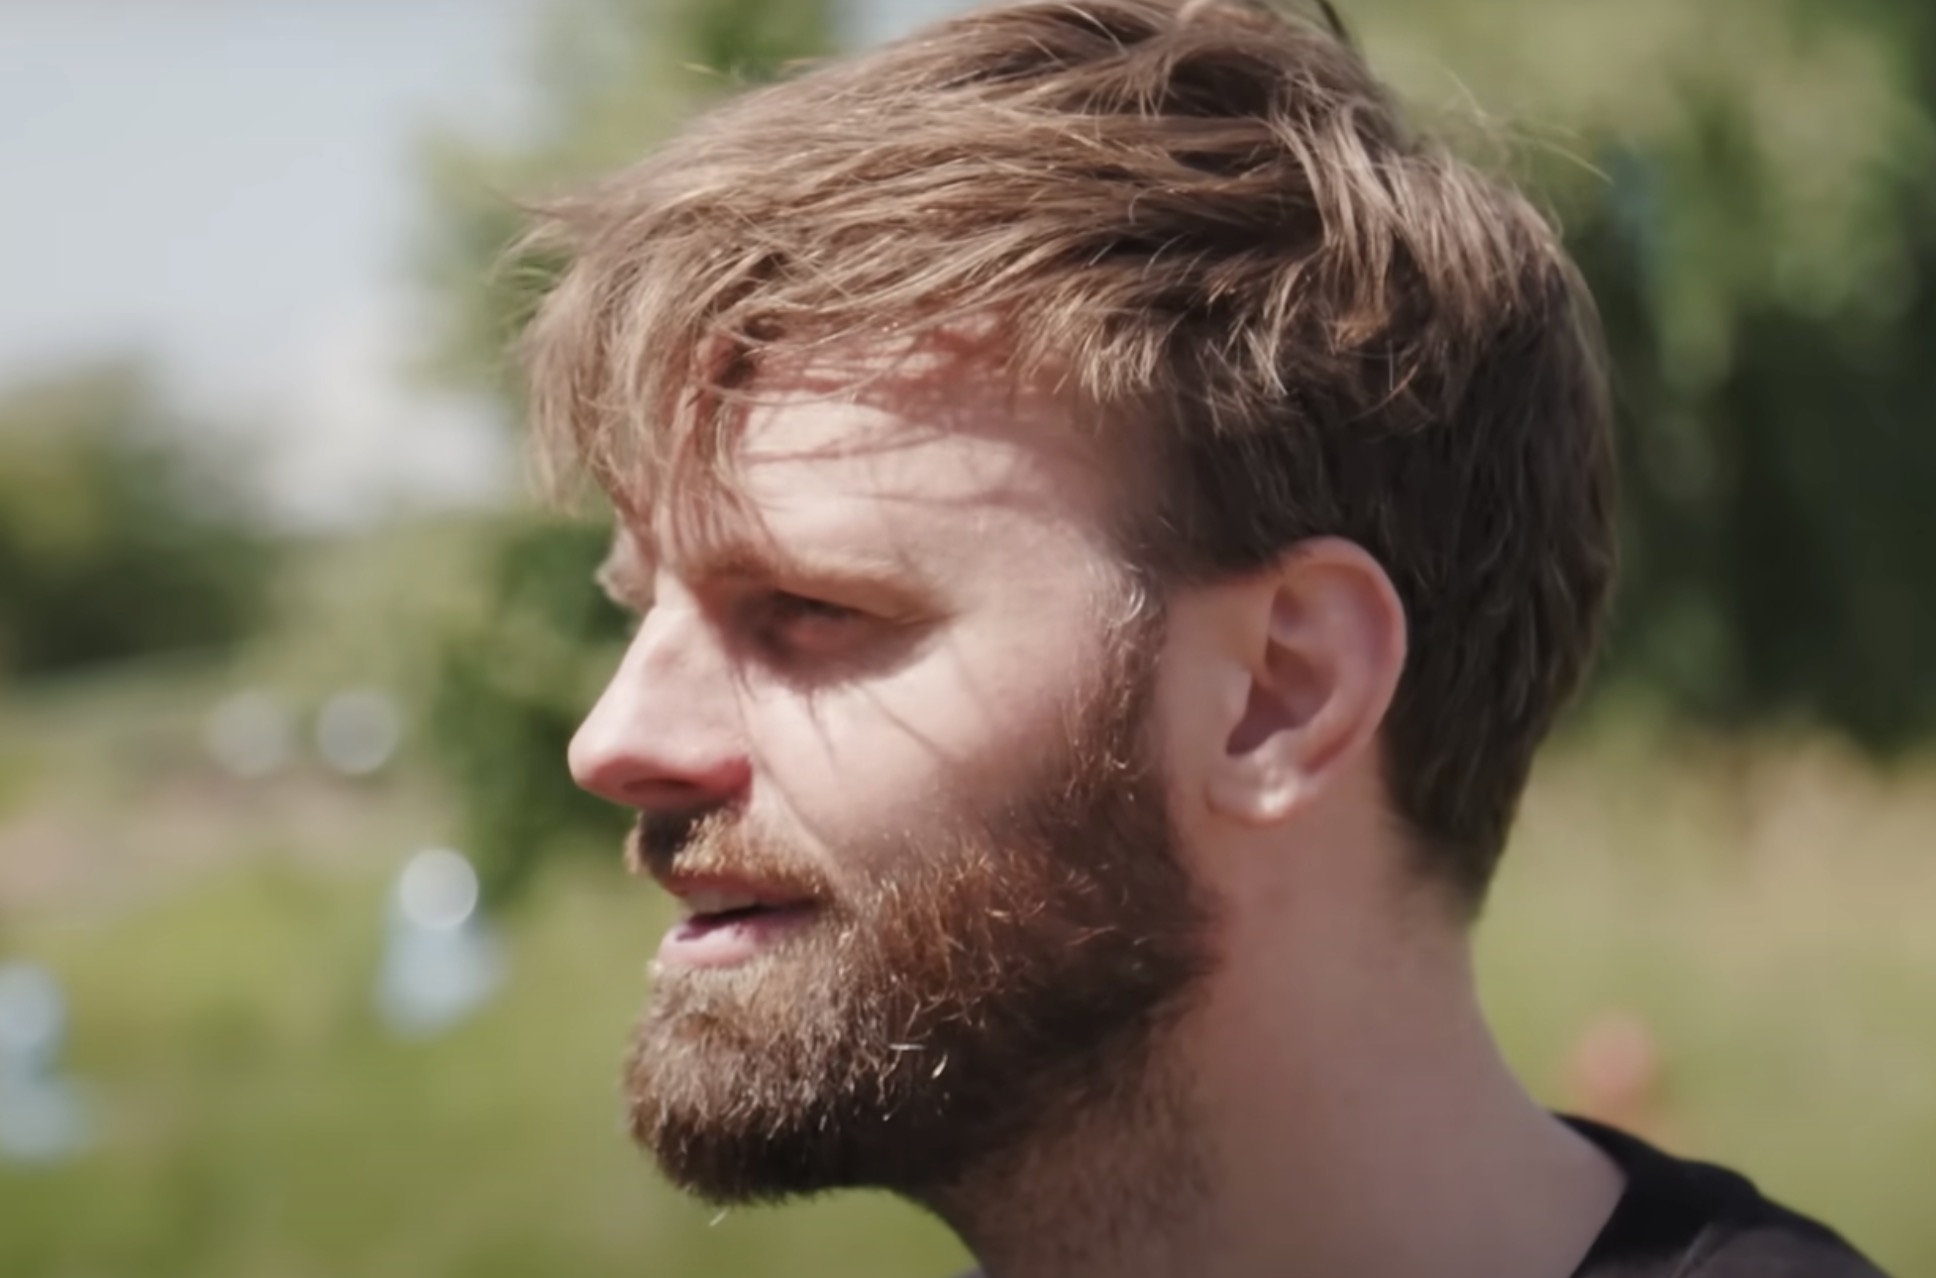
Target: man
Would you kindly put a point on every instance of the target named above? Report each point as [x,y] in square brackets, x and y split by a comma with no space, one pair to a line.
[1113,513]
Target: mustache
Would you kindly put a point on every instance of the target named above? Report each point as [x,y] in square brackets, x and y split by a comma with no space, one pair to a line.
[657,839]
[719,844]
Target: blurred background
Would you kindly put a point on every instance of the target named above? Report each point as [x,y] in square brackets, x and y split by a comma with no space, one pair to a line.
[311,961]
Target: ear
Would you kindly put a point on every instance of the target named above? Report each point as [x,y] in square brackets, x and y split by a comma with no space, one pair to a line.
[1324,645]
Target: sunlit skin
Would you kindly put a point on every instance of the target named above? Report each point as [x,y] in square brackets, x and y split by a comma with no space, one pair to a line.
[908,617]
[923,576]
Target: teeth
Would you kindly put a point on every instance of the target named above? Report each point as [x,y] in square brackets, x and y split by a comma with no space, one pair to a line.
[715,902]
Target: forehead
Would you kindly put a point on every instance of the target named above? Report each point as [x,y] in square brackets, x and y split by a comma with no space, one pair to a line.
[926,456]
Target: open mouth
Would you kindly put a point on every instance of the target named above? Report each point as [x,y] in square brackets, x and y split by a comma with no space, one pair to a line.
[708,920]
[711,907]
[719,929]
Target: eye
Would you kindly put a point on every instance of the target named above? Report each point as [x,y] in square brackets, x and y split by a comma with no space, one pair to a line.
[791,624]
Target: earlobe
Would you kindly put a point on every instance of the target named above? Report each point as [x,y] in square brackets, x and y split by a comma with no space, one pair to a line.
[1327,647]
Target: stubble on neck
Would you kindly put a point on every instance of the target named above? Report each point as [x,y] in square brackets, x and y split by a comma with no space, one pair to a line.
[1117,1183]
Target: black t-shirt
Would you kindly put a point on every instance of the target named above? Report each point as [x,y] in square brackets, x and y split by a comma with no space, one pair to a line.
[1681,1219]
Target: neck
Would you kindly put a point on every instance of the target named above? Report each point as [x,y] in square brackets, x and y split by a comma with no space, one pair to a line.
[1346,1112]
[1118,1176]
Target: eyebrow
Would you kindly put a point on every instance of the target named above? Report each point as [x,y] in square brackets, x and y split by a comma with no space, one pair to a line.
[622,573]
[751,561]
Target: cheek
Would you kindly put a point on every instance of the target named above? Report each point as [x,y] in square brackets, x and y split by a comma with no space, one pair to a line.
[961,726]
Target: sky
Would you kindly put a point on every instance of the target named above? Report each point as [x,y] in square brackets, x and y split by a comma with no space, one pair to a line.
[231,188]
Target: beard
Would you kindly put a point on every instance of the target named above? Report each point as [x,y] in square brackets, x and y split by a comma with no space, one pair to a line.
[1004,975]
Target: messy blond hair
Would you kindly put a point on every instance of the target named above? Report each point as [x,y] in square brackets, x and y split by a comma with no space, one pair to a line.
[1209,222]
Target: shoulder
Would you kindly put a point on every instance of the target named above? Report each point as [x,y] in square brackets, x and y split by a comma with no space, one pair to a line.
[1785,1246]
[1688,1219]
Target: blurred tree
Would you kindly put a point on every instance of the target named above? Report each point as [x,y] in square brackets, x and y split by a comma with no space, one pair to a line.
[114,541]
[1769,288]
[1750,188]
[515,678]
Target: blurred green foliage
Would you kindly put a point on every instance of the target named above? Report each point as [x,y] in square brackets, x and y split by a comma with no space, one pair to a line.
[116,540]
[518,673]
[512,685]
[1777,389]
[1749,185]
[610,77]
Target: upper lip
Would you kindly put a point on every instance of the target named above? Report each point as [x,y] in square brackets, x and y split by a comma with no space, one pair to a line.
[720,893]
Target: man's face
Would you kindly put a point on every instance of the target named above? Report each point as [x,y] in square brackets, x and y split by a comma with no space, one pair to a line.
[887,725]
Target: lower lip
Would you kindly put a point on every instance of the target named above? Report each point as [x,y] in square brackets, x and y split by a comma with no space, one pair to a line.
[699,942]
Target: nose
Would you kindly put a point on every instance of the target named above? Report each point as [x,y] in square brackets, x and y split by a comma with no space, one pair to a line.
[665,736]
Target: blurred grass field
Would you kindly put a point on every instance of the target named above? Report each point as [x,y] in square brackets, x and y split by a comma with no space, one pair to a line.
[258,1122]
[1764,913]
